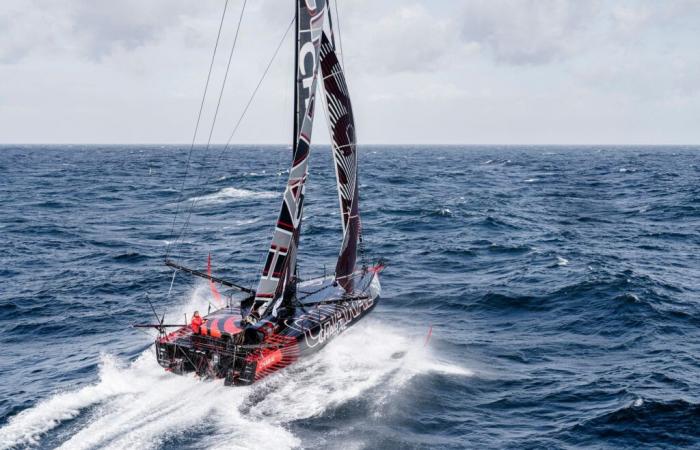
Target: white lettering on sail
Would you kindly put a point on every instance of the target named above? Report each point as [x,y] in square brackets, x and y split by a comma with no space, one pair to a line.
[307,81]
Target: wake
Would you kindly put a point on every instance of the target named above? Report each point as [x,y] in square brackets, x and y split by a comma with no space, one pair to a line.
[139,405]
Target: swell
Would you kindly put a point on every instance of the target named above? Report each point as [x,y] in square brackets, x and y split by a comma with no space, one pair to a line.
[644,421]
[567,285]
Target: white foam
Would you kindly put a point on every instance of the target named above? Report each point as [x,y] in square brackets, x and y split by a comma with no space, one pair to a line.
[241,222]
[531,180]
[255,174]
[231,193]
[139,405]
[562,261]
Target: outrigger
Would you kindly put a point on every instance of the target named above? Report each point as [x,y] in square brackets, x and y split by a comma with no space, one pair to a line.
[286,318]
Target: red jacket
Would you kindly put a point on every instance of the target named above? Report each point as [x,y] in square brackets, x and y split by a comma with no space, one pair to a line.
[196,323]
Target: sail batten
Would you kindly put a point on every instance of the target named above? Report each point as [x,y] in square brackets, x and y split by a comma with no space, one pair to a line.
[280,264]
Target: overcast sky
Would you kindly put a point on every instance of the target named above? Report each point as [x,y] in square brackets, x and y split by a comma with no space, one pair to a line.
[438,71]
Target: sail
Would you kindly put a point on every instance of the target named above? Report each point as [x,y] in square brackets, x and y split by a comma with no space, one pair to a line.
[280,264]
[342,131]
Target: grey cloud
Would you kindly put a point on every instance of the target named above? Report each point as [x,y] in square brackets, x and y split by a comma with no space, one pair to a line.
[104,25]
[440,71]
[527,31]
[90,28]
[410,38]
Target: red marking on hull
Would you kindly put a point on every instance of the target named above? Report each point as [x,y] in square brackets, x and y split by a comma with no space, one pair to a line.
[230,326]
[214,329]
[271,360]
[268,360]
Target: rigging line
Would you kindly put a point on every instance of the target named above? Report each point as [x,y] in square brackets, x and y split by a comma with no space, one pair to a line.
[198,183]
[340,38]
[196,127]
[171,283]
[240,119]
[228,67]
[255,91]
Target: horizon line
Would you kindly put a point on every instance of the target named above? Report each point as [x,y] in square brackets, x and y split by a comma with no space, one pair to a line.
[8,144]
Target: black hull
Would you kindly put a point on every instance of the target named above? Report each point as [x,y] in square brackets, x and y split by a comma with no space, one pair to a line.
[242,355]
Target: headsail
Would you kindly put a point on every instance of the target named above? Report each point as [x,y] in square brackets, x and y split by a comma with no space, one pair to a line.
[280,264]
[342,131]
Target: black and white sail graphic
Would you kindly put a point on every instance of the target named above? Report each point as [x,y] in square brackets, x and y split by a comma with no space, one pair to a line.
[280,263]
[342,132]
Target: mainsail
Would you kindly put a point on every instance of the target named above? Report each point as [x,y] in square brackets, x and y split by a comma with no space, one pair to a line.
[280,265]
[341,126]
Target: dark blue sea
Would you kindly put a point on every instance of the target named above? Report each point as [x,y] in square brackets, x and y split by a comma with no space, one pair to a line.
[562,285]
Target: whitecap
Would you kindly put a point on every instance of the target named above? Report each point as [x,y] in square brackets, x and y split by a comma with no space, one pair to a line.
[231,193]
[254,174]
[531,180]
[241,222]
[562,261]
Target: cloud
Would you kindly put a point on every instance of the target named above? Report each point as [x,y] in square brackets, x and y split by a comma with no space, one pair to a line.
[25,27]
[517,71]
[103,25]
[409,39]
[527,31]
[92,29]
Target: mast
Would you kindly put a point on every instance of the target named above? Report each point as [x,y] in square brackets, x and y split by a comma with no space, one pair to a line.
[280,264]
[295,127]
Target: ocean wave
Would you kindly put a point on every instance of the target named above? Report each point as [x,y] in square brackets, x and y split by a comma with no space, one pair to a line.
[138,404]
[647,421]
[230,194]
[495,222]
[612,330]
[130,257]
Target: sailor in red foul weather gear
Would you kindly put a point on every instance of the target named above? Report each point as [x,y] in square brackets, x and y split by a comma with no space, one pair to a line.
[196,322]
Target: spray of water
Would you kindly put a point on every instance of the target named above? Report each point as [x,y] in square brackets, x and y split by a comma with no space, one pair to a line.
[139,405]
